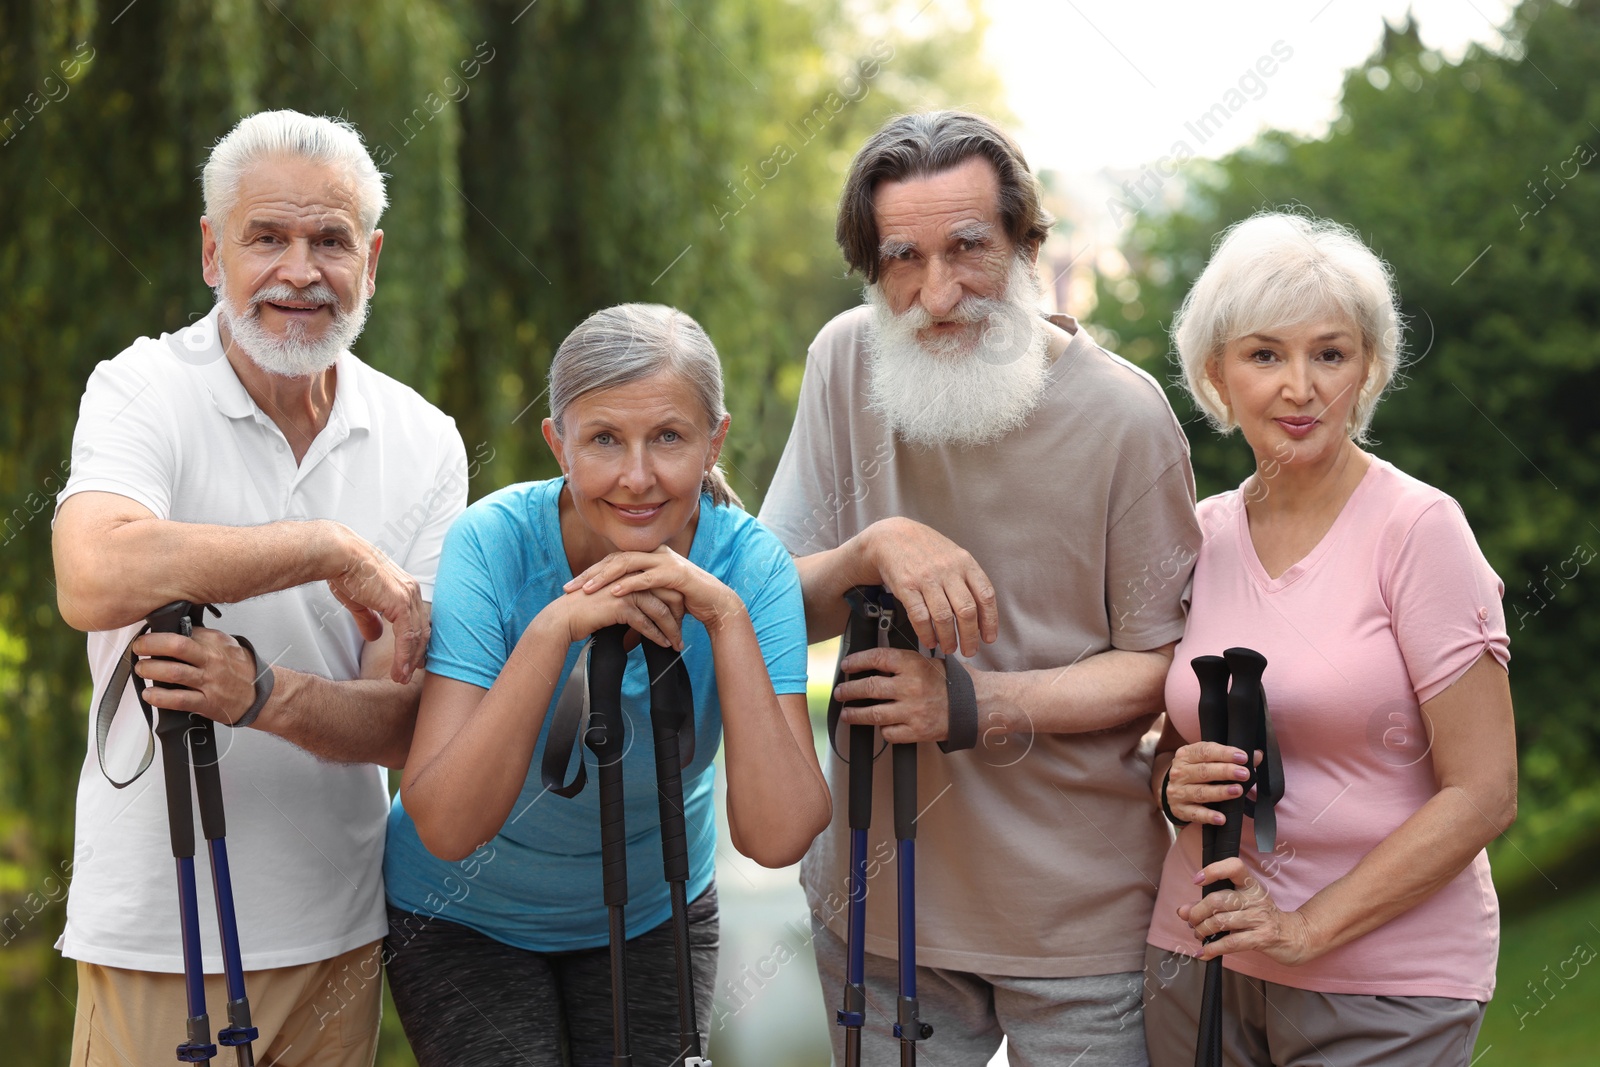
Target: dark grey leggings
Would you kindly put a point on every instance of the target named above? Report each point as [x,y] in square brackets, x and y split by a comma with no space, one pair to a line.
[467,1000]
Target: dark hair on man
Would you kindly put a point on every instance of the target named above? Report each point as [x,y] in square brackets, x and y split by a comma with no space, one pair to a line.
[919,146]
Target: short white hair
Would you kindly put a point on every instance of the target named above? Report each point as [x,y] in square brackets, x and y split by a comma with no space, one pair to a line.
[268,134]
[1276,270]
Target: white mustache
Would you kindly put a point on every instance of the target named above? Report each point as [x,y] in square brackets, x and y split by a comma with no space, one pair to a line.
[320,293]
[968,310]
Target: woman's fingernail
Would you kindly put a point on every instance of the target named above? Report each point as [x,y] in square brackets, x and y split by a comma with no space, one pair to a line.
[1239,757]
[1199,876]
[1218,818]
[1241,773]
[1235,790]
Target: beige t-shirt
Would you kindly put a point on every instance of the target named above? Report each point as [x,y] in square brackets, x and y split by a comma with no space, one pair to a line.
[1038,855]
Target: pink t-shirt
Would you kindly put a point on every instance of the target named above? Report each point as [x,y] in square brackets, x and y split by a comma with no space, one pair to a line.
[1387,611]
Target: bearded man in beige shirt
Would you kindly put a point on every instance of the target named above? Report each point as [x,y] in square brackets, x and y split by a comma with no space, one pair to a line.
[1027,496]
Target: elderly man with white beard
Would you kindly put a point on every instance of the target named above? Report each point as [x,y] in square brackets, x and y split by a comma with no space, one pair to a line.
[251,461]
[1027,496]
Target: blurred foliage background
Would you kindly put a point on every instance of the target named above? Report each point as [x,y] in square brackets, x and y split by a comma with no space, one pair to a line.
[553,157]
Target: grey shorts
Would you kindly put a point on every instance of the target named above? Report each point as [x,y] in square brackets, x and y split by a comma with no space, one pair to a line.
[1062,1022]
[1264,1023]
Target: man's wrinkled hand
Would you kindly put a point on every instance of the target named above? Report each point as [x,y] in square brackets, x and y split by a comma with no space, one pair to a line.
[949,600]
[218,674]
[372,587]
[915,705]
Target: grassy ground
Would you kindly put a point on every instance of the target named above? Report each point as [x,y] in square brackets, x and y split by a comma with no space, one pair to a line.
[1544,1011]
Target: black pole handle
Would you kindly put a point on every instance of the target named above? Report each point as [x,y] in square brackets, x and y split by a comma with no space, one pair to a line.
[905,791]
[606,738]
[172,728]
[1245,731]
[195,733]
[202,734]
[860,635]
[1245,666]
[1245,701]
[1212,671]
[668,689]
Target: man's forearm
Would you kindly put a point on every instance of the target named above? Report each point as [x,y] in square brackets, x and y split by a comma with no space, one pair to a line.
[364,720]
[825,577]
[1095,693]
[140,565]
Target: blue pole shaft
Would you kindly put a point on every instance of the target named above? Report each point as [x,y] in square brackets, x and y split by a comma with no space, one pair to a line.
[906,861]
[858,907]
[222,884]
[194,975]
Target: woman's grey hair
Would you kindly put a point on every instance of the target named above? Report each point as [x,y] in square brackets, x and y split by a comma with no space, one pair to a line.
[628,342]
[1276,270]
[269,134]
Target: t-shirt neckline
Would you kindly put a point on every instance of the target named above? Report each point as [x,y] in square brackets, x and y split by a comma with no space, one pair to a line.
[1305,564]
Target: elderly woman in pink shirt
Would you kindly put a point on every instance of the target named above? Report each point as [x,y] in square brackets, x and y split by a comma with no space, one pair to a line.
[1370,934]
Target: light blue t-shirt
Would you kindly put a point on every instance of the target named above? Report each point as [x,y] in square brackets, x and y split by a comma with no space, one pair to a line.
[537,884]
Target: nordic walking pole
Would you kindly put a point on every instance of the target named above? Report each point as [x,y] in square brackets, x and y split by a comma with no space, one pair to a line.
[189,740]
[861,633]
[877,620]
[1249,728]
[908,1027]
[671,718]
[605,738]
[170,729]
[1212,672]
[239,1033]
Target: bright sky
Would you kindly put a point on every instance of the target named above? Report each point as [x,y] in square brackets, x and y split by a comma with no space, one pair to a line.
[1112,83]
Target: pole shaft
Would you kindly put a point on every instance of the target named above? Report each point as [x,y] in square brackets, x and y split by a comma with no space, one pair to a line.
[620,1056]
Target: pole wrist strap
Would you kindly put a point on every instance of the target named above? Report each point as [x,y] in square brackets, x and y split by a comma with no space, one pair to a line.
[1166,809]
[111,699]
[963,729]
[265,680]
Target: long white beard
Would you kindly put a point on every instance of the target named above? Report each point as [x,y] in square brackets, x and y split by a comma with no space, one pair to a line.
[967,390]
[295,355]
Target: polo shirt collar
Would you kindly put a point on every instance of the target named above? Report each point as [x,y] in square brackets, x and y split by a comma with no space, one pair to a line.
[234,401]
[347,394]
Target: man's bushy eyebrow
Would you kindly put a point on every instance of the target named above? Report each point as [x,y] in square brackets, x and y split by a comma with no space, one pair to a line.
[973,231]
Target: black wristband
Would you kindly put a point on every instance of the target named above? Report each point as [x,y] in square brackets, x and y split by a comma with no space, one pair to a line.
[963,703]
[1165,809]
[264,682]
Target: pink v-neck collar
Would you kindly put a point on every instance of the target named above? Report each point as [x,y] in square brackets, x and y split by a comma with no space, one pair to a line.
[1306,563]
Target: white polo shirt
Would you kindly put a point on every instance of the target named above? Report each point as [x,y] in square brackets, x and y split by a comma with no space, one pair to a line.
[169,424]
